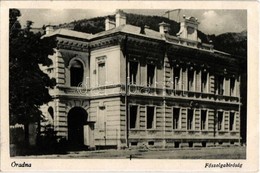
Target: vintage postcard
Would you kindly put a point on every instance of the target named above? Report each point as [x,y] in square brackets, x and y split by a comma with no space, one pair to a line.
[129,86]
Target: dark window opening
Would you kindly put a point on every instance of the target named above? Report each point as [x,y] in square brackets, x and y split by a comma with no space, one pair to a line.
[134,143]
[150,74]
[204,144]
[151,143]
[203,119]
[220,120]
[232,86]
[176,118]
[101,74]
[220,143]
[176,77]
[176,144]
[133,116]
[150,118]
[231,121]
[190,119]
[190,144]
[51,112]
[76,73]
[232,142]
[220,85]
[190,80]
[204,80]
[133,72]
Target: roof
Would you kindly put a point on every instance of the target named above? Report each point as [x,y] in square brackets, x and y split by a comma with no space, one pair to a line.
[131,29]
[70,33]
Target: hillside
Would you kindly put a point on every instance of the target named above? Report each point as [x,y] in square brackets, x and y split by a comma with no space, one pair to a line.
[234,43]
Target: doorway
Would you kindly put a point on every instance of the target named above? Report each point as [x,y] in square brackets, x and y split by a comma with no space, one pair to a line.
[77,118]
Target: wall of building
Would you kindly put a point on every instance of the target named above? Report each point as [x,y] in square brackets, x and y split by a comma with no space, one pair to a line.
[105,112]
[111,57]
[105,102]
[163,133]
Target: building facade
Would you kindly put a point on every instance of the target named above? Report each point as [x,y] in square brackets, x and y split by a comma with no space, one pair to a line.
[129,86]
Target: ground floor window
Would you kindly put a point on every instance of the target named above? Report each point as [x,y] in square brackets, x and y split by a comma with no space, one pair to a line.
[133,116]
[101,119]
[176,118]
[190,119]
[220,120]
[231,121]
[203,119]
[150,117]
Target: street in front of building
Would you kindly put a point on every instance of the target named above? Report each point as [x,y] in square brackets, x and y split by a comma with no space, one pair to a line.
[146,153]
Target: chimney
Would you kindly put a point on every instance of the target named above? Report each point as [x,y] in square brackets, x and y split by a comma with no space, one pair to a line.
[189,28]
[164,27]
[120,18]
[49,29]
[109,24]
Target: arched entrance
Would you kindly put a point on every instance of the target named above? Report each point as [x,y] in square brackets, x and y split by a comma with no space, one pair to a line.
[77,118]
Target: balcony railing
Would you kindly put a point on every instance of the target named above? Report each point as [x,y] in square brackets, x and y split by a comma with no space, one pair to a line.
[136,90]
[152,91]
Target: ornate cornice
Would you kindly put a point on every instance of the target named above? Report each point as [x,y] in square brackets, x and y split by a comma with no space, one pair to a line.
[70,44]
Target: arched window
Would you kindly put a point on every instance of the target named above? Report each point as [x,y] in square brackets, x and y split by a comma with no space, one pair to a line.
[51,112]
[76,73]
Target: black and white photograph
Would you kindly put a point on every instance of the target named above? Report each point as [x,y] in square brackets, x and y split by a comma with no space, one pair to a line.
[131,84]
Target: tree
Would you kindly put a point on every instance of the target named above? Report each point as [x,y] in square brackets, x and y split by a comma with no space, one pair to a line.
[28,84]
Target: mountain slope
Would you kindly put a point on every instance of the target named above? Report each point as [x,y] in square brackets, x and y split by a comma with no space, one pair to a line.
[234,43]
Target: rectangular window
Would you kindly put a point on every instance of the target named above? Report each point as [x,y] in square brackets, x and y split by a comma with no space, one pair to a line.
[150,75]
[220,85]
[190,80]
[176,118]
[101,74]
[203,119]
[190,119]
[101,121]
[231,121]
[204,81]
[133,72]
[133,116]
[150,117]
[176,78]
[232,86]
[220,120]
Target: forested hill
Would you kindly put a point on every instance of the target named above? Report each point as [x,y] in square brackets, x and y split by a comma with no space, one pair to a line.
[234,43]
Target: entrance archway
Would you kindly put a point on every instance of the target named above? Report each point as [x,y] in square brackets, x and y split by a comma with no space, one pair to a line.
[77,118]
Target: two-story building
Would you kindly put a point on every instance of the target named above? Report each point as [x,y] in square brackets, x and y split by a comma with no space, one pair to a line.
[129,86]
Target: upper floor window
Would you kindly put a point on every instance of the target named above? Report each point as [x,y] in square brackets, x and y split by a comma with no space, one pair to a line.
[101,74]
[190,80]
[232,86]
[133,72]
[150,75]
[220,85]
[204,82]
[76,73]
[176,78]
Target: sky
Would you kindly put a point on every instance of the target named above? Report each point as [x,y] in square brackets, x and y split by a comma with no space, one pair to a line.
[211,21]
